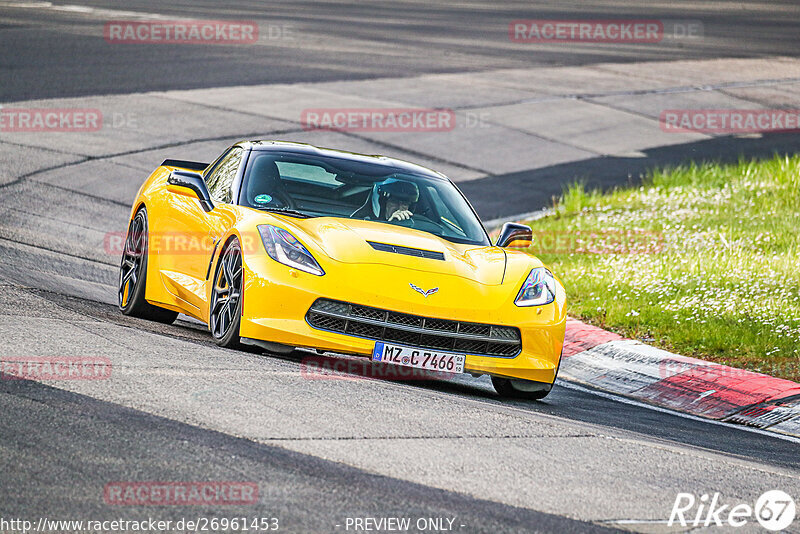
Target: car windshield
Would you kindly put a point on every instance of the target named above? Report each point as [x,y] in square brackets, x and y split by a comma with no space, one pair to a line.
[320,186]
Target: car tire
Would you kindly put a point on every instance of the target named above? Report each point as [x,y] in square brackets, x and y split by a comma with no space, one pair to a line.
[521,389]
[225,307]
[524,389]
[133,275]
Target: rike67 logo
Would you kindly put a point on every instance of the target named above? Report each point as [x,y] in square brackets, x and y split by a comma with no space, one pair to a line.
[774,510]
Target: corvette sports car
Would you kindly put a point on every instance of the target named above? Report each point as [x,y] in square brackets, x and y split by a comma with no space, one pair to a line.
[282,245]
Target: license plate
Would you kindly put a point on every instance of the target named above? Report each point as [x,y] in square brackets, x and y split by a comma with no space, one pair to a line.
[419,358]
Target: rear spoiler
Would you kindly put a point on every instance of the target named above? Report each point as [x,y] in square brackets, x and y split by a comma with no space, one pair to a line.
[191,165]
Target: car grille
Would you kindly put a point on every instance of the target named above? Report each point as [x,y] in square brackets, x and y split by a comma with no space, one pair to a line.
[414,330]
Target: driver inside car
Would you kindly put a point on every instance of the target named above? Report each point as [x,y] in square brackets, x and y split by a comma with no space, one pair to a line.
[391,200]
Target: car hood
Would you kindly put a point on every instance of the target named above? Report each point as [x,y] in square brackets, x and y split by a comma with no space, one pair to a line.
[347,241]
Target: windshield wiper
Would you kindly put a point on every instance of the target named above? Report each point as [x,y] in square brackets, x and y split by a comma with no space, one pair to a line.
[286,211]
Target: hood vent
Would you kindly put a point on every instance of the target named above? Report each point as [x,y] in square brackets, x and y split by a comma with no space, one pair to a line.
[408,251]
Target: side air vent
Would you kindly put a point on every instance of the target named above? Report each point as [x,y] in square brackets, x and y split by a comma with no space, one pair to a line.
[408,251]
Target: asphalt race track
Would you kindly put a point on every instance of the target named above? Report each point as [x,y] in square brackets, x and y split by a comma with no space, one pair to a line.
[53,51]
[178,408]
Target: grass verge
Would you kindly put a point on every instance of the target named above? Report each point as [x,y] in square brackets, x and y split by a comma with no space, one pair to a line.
[703,260]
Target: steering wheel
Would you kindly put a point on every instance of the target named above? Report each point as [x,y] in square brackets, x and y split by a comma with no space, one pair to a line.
[285,199]
[407,223]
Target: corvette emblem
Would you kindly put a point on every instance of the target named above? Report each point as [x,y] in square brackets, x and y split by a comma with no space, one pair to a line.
[422,292]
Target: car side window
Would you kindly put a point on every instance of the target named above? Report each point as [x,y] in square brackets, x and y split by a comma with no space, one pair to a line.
[220,180]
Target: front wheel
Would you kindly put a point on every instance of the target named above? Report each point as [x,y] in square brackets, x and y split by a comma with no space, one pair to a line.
[521,389]
[225,311]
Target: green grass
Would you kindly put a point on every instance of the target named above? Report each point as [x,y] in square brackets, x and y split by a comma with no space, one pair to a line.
[703,260]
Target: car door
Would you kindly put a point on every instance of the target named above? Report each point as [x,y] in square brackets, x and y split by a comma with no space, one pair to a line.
[193,234]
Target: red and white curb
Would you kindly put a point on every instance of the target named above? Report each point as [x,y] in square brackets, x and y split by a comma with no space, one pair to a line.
[626,367]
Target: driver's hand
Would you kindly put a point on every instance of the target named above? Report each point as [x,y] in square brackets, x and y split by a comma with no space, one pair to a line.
[400,215]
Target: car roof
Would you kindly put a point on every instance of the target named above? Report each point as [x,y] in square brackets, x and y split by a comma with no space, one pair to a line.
[375,159]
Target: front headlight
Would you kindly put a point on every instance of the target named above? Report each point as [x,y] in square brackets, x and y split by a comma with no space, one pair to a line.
[284,248]
[539,289]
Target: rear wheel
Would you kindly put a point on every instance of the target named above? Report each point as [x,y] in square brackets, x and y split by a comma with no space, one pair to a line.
[133,275]
[225,311]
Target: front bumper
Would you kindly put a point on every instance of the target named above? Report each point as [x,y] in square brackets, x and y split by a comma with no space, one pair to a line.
[277,299]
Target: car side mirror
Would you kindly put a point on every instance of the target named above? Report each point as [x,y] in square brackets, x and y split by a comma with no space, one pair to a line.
[194,182]
[515,235]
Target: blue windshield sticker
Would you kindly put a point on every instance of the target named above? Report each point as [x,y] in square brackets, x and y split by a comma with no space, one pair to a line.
[263,199]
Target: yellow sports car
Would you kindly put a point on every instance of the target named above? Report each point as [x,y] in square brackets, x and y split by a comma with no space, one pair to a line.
[283,245]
